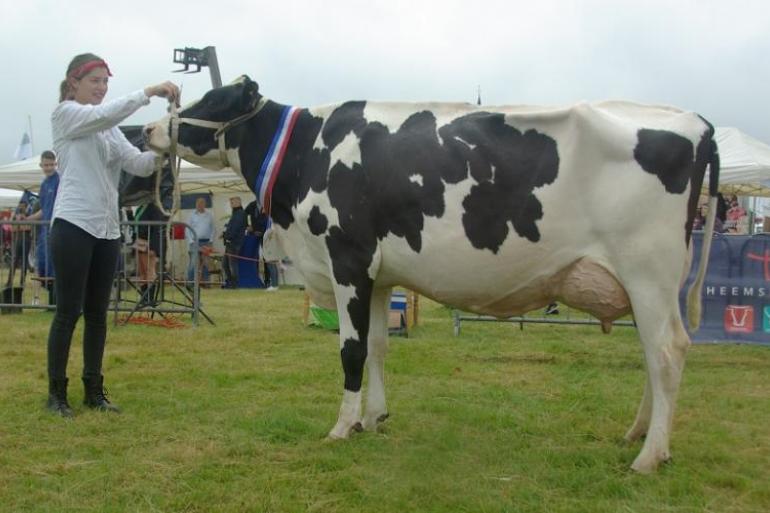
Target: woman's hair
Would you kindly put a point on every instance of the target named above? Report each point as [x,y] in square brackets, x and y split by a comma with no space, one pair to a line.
[75,63]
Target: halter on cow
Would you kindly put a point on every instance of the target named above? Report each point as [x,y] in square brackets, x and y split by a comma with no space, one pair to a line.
[496,211]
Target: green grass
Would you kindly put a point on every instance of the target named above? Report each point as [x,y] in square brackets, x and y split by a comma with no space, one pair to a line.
[233,418]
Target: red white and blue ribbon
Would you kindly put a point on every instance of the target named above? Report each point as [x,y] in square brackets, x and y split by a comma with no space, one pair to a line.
[274,158]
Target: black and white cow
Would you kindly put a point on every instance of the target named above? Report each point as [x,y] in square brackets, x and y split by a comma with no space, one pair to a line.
[494,210]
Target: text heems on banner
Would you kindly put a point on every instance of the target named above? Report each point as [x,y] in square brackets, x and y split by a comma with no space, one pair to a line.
[735,291]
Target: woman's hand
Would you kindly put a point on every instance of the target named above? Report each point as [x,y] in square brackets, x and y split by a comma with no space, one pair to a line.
[168,90]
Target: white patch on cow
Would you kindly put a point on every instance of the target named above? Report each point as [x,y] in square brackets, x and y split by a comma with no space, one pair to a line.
[320,200]
[393,115]
[209,160]
[469,145]
[416,178]
[348,152]
[311,258]
[159,139]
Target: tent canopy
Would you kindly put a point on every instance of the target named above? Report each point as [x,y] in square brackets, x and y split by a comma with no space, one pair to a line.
[745,163]
[9,198]
[745,170]
[26,174]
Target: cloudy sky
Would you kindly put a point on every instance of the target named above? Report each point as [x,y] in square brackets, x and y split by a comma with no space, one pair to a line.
[707,56]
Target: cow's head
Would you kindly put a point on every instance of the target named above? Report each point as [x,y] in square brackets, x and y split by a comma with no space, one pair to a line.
[198,144]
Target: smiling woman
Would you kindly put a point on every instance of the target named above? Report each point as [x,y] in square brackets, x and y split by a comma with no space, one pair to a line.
[87,74]
[84,236]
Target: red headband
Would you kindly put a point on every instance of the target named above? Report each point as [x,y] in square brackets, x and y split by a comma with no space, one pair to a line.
[83,69]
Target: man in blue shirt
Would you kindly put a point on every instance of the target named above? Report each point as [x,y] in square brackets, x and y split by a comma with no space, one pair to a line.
[47,196]
[202,222]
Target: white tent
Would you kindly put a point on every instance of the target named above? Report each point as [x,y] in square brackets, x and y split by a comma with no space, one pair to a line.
[9,198]
[26,174]
[745,163]
[745,170]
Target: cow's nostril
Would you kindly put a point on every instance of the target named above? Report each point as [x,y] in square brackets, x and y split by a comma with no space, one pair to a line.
[146,133]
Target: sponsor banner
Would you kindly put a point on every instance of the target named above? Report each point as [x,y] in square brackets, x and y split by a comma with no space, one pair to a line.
[736,293]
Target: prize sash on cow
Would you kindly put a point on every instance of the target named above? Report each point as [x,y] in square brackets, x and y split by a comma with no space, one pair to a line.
[274,158]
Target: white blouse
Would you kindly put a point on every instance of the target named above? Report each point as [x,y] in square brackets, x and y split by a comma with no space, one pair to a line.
[91,151]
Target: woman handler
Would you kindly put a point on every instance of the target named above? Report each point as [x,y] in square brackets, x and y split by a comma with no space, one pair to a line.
[84,239]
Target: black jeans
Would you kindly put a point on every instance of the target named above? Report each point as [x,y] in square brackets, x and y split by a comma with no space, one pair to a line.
[84,267]
[230,263]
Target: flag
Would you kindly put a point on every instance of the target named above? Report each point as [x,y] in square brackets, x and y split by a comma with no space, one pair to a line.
[24,151]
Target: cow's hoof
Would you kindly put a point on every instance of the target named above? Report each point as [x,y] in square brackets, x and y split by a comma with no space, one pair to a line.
[647,465]
[637,432]
[371,423]
[343,432]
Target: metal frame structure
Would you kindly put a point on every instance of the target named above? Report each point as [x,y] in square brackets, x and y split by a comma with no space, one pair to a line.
[173,295]
[206,57]
[458,317]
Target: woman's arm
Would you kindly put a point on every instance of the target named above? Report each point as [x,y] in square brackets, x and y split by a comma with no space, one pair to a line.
[132,160]
[72,119]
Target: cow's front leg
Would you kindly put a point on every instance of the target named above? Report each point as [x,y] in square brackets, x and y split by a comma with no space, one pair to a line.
[376,409]
[353,306]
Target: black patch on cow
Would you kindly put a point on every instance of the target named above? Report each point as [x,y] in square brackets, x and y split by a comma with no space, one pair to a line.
[667,155]
[317,222]
[353,355]
[704,153]
[347,118]
[351,257]
[508,166]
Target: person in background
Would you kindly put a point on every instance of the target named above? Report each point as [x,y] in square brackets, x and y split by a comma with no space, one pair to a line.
[259,222]
[84,239]
[721,212]
[735,215]
[235,230]
[699,222]
[22,241]
[202,222]
[47,196]
[150,244]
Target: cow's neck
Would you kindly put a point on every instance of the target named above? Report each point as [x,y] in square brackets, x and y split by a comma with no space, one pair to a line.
[271,170]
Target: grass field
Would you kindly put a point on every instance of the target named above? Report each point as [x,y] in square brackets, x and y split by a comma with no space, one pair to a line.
[233,418]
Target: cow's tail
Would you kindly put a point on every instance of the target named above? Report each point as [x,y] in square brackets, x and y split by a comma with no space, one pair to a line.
[694,294]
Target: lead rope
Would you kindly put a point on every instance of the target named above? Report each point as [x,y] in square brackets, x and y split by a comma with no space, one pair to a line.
[174,162]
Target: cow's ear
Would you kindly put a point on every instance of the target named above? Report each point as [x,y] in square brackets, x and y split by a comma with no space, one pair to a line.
[250,93]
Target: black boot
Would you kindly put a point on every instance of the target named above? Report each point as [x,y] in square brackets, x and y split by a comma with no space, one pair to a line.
[96,397]
[152,296]
[142,296]
[57,397]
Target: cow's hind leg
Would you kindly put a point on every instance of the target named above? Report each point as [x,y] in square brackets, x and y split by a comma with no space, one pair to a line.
[665,344]
[376,409]
[642,422]
[353,306]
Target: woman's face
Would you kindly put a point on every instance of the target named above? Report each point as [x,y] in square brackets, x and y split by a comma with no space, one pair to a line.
[91,89]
